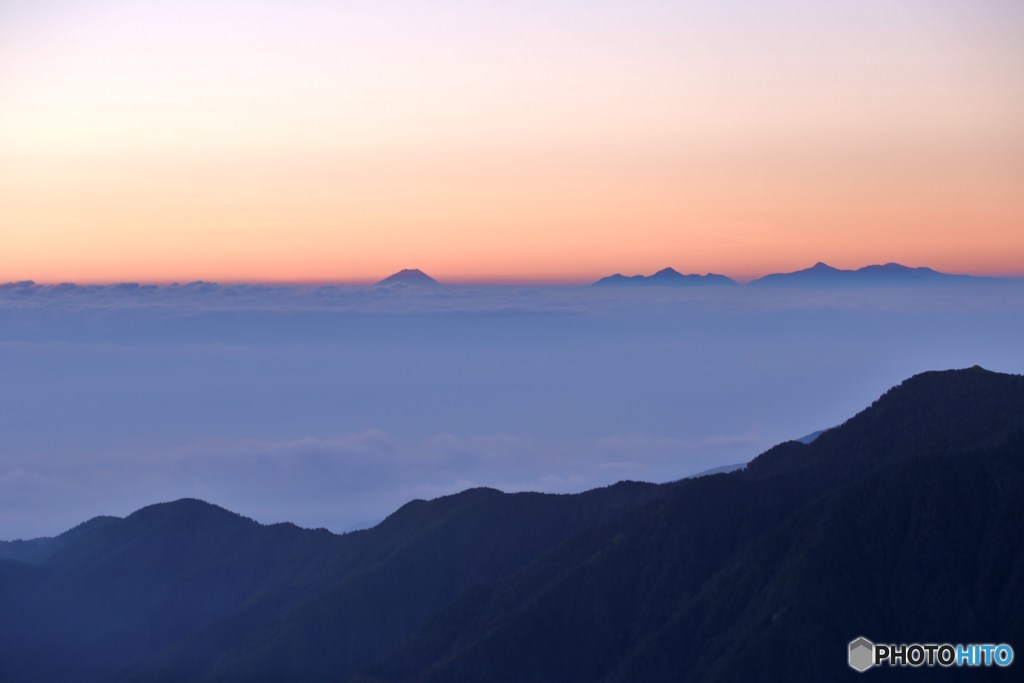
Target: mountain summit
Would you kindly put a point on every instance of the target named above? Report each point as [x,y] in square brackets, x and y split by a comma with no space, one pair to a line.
[410,276]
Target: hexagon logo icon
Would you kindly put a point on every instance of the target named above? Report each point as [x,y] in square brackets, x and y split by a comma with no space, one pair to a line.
[862,654]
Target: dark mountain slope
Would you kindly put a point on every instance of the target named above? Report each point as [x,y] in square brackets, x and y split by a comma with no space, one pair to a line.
[420,559]
[897,556]
[16,579]
[36,550]
[904,523]
[187,589]
[894,527]
[933,412]
[117,586]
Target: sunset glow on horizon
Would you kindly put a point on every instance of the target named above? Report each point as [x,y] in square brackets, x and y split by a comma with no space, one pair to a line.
[550,141]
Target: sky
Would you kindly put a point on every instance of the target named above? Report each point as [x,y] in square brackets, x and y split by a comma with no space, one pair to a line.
[512,144]
[308,140]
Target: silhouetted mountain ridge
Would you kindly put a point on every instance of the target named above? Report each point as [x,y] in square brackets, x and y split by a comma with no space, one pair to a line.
[962,410]
[666,277]
[177,576]
[889,274]
[711,581]
[892,525]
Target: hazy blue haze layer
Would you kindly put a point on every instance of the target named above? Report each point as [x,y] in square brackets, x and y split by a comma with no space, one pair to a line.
[332,406]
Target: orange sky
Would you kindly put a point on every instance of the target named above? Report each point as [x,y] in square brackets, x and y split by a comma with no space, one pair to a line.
[554,141]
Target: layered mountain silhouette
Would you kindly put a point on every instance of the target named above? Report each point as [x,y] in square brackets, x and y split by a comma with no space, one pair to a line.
[890,274]
[902,525]
[819,275]
[666,277]
[410,277]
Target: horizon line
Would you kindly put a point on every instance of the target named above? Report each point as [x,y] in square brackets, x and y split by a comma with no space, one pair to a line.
[455,281]
[511,280]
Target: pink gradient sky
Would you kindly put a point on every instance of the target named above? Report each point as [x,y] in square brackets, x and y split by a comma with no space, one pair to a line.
[558,140]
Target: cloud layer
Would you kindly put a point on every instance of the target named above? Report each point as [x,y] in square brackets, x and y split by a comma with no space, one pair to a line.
[331,406]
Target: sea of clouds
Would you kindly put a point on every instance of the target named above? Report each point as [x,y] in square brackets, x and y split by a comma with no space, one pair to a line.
[332,406]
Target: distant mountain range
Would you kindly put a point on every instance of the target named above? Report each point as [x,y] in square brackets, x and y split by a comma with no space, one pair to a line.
[889,274]
[666,277]
[902,524]
[818,275]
